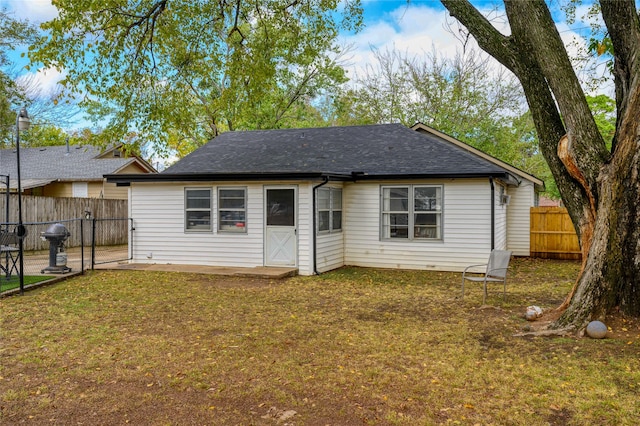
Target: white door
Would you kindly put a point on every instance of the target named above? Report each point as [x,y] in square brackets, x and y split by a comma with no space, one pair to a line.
[281,241]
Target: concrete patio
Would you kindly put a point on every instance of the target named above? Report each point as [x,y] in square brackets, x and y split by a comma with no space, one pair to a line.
[257,272]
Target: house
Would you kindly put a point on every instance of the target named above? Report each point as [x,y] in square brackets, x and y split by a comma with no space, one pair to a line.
[549,202]
[317,199]
[70,171]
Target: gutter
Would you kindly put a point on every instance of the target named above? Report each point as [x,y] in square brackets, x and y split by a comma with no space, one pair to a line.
[315,234]
[127,179]
[493,214]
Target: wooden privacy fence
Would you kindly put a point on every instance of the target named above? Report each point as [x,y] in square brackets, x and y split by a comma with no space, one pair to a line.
[38,213]
[49,209]
[553,235]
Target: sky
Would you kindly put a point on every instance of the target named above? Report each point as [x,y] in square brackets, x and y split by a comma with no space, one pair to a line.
[413,28]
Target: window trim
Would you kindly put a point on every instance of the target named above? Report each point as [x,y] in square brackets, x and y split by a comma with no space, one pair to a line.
[244,209]
[80,189]
[210,209]
[411,212]
[330,210]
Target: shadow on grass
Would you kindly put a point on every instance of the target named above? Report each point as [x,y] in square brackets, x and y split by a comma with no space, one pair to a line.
[13,282]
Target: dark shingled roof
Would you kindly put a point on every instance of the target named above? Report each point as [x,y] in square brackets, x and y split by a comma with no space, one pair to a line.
[385,149]
[368,152]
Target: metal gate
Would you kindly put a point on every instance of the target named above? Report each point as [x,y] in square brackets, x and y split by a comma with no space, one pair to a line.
[111,240]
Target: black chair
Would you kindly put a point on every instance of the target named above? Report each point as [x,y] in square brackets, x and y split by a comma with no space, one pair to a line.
[9,252]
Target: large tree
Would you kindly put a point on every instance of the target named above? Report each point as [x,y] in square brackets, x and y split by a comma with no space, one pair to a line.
[599,186]
[13,32]
[463,96]
[179,72]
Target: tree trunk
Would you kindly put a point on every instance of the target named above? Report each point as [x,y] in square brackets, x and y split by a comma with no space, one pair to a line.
[601,189]
[610,277]
[611,273]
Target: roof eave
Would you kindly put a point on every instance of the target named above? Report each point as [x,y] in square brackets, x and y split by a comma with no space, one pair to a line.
[121,179]
[126,179]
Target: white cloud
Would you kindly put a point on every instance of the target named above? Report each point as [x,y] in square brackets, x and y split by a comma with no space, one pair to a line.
[33,10]
[417,28]
[411,29]
[42,83]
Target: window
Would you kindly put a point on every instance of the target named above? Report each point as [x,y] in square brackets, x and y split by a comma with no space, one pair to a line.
[412,212]
[79,189]
[197,209]
[232,210]
[329,205]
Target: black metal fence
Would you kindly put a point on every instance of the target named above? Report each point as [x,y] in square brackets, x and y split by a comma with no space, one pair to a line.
[50,252]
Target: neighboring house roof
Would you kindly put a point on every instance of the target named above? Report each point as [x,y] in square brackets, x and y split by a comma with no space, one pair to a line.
[548,202]
[43,165]
[384,151]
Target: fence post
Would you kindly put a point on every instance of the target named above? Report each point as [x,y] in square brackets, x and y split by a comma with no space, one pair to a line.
[130,239]
[82,245]
[93,243]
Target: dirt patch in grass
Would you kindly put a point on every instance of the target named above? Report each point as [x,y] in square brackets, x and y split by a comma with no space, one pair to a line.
[351,347]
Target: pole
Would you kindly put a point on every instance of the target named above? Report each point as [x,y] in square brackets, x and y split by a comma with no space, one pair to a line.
[22,121]
[82,245]
[93,243]
[20,230]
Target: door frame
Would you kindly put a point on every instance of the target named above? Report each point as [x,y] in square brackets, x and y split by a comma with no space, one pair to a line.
[294,228]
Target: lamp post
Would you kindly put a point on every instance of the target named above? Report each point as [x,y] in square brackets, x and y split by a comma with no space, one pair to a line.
[22,124]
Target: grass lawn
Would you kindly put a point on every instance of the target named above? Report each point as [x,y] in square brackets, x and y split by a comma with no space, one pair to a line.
[14,281]
[350,347]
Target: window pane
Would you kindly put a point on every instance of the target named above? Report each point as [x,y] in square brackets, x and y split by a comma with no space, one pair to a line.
[398,225]
[396,199]
[323,221]
[323,199]
[232,221]
[232,210]
[337,220]
[198,220]
[399,232]
[427,226]
[427,199]
[281,207]
[232,199]
[199,199]
[232,203]
[232,193]
[198,209]
[337,199]
[399,192]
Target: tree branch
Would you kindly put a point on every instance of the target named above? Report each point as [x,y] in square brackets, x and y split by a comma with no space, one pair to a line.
[623,25]
[236,28]
[515,52]
[489,39]
[549,51]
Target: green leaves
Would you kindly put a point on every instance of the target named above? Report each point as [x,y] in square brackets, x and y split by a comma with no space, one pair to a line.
[178,71]
[13,32]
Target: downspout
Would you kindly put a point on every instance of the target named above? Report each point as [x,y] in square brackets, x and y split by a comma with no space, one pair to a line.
[493,214]
[313,213]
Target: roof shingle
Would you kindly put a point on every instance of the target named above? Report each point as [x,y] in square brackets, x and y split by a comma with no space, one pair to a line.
[57,163]
[375,150]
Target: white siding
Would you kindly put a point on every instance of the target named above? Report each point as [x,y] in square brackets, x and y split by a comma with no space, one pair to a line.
[158,213]
[305,241]
[518,221]
[500,236]
[159,236]
[330,247]
[467,228]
